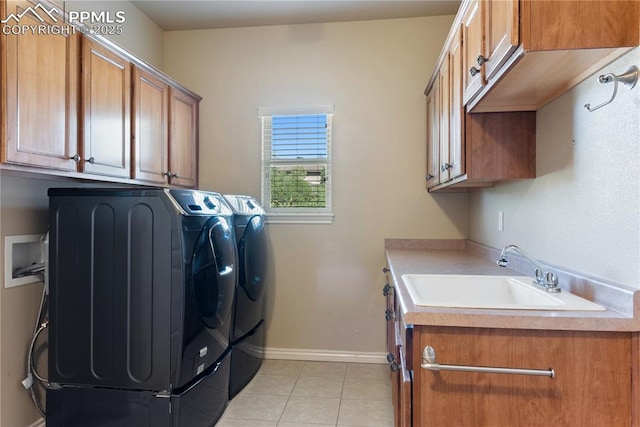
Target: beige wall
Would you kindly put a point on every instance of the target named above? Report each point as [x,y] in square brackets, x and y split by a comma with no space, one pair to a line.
[583,210]
[23,210]
[328,278]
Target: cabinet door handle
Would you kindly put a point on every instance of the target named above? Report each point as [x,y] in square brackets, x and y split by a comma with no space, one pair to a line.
[473,71]
[481,60]
[91,160]
[76,158]
[385,290]
[388,315]
[392,364]
[430,362]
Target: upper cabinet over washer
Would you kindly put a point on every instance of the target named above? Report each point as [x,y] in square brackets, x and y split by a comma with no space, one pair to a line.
[77,105]
[40,89]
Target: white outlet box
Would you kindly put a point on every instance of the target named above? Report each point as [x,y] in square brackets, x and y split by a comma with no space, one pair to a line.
[22,251]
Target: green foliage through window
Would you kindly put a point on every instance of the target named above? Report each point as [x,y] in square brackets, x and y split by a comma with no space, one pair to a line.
[298,187]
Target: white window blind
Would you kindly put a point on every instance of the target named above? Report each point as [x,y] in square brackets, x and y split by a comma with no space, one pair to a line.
[296,164]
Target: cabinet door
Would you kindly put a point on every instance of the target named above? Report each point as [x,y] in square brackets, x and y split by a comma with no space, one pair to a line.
[456,109]
[591,385]
[40,94]
[106,104]
[445,104]
[433,139]
[390,314]
[183,138]
[150,128]
[501,33]
[405,393]
[473,47]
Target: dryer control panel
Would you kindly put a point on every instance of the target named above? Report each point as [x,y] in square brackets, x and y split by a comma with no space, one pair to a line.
[195,202]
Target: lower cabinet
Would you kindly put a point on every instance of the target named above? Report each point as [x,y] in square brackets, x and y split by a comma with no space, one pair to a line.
[399,338]
[591,385]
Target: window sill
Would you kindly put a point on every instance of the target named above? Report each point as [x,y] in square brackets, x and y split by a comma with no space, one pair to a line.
[299,218]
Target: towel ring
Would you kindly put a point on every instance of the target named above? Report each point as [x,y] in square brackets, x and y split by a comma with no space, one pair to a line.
[629,78]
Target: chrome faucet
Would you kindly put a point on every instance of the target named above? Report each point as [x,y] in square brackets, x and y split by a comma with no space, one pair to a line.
[544,278]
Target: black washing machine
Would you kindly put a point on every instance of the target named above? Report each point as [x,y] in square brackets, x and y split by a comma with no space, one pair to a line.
[248,331]
[142,285]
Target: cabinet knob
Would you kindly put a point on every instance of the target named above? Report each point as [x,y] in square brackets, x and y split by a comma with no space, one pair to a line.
[391,359]
[385,290]
[174,175]
[385,270]
[388,315]
[429,177]
[481,60]
[446,167]
[473,71]
[91,160]
[167,174]
[76,158]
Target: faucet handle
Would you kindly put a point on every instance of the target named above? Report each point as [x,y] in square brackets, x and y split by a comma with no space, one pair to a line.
[539,277]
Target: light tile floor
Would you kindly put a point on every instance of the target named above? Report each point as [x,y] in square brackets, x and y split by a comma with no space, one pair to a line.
[289,393]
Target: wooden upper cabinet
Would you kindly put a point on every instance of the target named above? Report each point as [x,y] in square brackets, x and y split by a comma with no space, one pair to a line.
[79,106]
[456,108]
[183,138]
[106,105]
[445,129]
[446,119]
[433,136]
[150,128]
[473,48]
[502,33]
[579,24]
[537,50]
[40,76]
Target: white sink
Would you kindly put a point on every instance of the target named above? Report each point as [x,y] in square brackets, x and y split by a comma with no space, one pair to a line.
[493,292]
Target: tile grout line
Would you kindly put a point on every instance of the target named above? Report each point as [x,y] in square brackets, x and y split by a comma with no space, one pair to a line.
[291,394]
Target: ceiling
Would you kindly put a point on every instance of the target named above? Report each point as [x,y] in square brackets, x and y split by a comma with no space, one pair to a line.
[173,15]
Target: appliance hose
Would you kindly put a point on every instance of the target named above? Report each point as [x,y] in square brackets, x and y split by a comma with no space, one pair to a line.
[40,325]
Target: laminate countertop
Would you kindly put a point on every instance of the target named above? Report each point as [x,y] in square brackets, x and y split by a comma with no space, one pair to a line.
[465,257]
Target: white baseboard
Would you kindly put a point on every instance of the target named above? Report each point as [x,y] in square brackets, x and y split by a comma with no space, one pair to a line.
[324,355]
[38,423]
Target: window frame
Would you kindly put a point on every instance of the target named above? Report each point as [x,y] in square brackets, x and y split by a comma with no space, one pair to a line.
[296,215]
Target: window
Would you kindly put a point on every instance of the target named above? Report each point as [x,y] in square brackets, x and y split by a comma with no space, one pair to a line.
[296,164]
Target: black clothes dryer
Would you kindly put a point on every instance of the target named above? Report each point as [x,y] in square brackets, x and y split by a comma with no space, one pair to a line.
[248,331]
[142,286]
